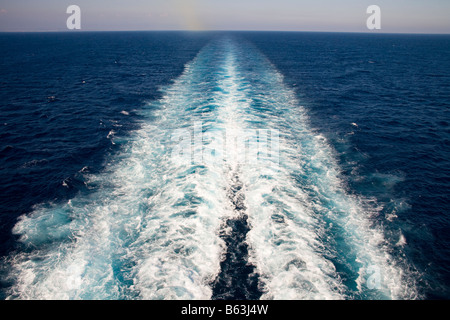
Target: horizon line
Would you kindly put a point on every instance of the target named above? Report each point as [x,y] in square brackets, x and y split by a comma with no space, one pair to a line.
[224,30]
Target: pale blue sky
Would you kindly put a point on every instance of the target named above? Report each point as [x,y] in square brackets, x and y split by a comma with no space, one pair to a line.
[410,16]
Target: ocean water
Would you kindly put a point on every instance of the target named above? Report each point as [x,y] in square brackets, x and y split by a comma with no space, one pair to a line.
[224,165]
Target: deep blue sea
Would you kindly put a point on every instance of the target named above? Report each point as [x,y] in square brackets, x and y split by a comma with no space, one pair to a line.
[224,165]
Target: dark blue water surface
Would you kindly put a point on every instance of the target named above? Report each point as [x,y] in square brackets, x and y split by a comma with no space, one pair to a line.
[381,101]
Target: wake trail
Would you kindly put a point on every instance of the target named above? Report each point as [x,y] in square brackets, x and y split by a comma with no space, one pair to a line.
[224,192]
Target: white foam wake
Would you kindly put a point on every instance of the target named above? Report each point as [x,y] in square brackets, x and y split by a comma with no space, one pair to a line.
[150,227]
[304,223]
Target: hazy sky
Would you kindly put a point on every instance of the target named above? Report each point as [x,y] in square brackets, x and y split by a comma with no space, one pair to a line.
[412,16]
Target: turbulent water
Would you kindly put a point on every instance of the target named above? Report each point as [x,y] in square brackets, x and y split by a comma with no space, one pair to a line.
[222,187]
